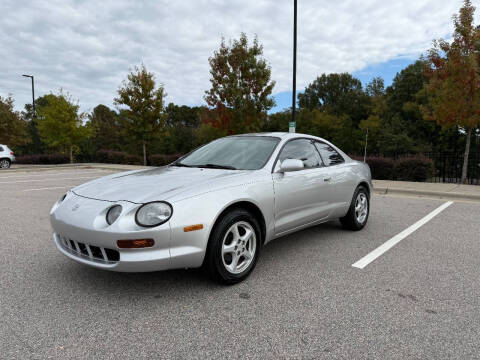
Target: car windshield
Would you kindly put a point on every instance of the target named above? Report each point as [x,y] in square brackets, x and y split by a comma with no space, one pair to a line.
[233,153]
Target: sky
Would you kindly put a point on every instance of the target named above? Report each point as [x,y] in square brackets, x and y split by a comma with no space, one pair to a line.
[86,48]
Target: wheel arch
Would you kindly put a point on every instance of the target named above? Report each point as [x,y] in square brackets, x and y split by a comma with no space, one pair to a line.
[249,206]
[366,185]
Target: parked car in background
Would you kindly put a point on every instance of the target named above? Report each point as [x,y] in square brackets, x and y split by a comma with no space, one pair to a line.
[216,206]
[7,157]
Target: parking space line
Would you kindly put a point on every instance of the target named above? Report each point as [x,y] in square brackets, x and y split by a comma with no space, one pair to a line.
[48,188]
[360,264]
[48,174]
[56,179]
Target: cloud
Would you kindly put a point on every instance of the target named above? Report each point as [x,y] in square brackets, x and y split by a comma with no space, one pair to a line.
[88,47]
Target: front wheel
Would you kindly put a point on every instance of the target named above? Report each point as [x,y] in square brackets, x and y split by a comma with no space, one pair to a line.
[234,247]
[358,212]
[5,163]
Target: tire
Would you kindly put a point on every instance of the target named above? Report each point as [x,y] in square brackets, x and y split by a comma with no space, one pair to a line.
[232,254]
[357,218]
[5,163]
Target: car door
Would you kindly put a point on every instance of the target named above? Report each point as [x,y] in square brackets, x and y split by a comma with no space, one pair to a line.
[341,184]
[300,196]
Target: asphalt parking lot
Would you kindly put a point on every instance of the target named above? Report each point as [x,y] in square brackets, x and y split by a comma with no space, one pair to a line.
[420,299]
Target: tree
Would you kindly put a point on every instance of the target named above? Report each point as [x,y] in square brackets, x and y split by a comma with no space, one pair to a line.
[338,94]
[12,126]
[60,124]
[35,144]
[144,116]
[241,83]
[454,73]
[106,124]
[377,109]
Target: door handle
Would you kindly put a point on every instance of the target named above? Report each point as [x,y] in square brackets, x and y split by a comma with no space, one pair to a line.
[327,179]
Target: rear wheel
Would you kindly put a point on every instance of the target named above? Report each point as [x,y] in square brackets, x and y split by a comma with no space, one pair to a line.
[357,215]
[234,247]
[5,163]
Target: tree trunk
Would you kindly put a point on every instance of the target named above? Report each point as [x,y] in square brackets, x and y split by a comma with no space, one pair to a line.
[144,154]
[465,156]
[71,154]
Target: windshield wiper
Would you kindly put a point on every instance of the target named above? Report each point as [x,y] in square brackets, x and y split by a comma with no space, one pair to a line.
[182,165]
[215,166]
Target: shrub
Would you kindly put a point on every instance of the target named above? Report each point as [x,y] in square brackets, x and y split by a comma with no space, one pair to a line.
[117,157]
[43,159]
[161,160]
[414,168]
[382,168]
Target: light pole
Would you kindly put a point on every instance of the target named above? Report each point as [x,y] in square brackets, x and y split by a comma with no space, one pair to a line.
[293,124]
[33,94]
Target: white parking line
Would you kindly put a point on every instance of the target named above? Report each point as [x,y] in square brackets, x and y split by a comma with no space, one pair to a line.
[399,237]
[49,188]
[56,179]
[57,173]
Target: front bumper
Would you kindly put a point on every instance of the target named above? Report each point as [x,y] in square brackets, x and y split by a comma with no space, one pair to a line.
[82,234]
[140,260]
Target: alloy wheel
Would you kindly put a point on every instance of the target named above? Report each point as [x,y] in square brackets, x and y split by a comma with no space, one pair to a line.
[361,207]
[238,247]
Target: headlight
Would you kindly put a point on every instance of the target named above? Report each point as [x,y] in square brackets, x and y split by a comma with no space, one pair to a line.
[113,213]
[153,214]
[62,198]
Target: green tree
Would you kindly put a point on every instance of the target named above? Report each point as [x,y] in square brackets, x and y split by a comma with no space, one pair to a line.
[377,109]
[454,87]
[144,116]
[240,82]
[106,124]
[338,94]
[403,122]
[60,124]
[12,126]
[182,123]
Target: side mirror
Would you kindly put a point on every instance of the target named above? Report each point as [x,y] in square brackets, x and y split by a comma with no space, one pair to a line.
[291,165]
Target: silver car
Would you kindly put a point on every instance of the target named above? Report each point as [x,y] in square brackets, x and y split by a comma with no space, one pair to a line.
[7,157]
[216,206]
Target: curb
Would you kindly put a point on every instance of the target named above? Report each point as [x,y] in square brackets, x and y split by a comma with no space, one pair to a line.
[419,193]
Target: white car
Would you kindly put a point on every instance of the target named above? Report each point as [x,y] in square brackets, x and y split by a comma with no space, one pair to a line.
[6,157]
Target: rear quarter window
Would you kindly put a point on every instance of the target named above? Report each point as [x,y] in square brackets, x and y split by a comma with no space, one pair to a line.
[329,155]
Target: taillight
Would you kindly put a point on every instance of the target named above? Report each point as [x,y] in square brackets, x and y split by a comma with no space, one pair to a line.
[11,153]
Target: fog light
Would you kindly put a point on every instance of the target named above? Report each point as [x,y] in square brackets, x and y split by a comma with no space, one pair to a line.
[135,244]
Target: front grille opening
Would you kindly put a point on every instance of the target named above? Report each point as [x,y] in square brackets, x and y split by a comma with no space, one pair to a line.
[90,252]
[96,252]
[113,255]
[83,248]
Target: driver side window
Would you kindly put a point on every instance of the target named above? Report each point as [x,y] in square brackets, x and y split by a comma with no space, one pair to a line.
[301,149]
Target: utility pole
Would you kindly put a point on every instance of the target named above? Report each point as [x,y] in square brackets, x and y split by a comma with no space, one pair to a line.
[33,94]
[36,138]
[293,125]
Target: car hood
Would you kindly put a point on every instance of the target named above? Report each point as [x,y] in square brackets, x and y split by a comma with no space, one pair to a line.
[159,184]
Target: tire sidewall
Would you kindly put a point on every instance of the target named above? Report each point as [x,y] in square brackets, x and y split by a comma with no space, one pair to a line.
[359,190]
[216,265]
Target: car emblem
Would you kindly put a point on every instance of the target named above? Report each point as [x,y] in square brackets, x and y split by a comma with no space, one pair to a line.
[75,207]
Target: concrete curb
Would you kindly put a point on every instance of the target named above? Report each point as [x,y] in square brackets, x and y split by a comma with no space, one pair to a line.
[420,193]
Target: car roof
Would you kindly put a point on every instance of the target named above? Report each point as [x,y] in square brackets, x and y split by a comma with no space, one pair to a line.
[282,135]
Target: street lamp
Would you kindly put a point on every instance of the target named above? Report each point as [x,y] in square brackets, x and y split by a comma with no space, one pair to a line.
[33,93]
[293,124]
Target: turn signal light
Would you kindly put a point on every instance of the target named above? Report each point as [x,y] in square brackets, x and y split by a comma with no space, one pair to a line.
[193,227]
[135,244]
